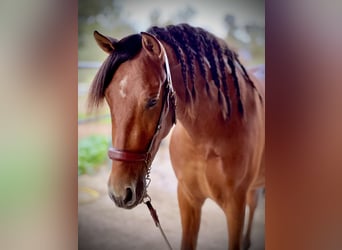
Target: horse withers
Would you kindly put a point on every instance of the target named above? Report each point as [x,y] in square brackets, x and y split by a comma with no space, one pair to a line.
[217,145]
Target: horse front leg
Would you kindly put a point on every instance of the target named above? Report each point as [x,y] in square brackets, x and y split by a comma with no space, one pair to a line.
[190,210]
[252,202]
[235,214]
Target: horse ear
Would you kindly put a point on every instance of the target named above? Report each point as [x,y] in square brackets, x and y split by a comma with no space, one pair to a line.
[151,44]
[105,42]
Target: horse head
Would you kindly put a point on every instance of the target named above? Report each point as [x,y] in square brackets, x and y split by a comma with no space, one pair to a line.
[136,84]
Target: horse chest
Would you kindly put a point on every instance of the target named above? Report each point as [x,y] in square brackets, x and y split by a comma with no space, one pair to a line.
[202,174]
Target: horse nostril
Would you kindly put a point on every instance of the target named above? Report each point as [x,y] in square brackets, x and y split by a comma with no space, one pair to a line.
[112,196]
[129,195]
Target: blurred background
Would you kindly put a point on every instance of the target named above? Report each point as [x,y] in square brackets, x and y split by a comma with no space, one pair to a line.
[102,225]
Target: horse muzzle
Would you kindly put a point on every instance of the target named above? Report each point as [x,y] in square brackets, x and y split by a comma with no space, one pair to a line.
[128,196]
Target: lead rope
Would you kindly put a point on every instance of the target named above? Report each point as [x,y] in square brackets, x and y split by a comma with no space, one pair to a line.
[154,215]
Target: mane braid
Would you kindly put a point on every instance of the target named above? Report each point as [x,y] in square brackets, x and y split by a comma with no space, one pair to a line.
[195,40]
[224,85]
[247,77]
[231,63]
[217,71]
[190,58]
[181,37]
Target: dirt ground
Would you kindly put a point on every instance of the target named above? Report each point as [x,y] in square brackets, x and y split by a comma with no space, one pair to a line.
[102,225]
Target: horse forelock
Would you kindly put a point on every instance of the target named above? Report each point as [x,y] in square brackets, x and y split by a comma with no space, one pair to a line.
[124,50]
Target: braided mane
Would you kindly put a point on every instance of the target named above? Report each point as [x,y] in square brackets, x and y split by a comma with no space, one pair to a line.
[191,45]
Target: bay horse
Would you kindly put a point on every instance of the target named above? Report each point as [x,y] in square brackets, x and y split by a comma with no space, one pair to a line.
[184,76]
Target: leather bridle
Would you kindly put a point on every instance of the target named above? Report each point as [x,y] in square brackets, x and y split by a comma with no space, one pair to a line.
[168,105]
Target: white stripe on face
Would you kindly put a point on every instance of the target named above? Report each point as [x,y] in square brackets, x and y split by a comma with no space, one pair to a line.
[122,85]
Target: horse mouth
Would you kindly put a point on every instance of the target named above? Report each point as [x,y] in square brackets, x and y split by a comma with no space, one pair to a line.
[132,197]
[127,203]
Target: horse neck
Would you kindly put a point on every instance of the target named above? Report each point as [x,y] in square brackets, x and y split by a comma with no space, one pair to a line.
[200,116]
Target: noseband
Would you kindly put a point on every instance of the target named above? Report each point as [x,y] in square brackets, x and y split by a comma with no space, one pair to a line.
[168,104]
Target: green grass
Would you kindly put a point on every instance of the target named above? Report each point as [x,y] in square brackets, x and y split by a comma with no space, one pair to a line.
[92,152]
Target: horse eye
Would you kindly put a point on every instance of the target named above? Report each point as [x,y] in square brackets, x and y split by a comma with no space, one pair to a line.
[151,103]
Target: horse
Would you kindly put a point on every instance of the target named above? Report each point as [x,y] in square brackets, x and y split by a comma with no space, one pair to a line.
[185,79]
